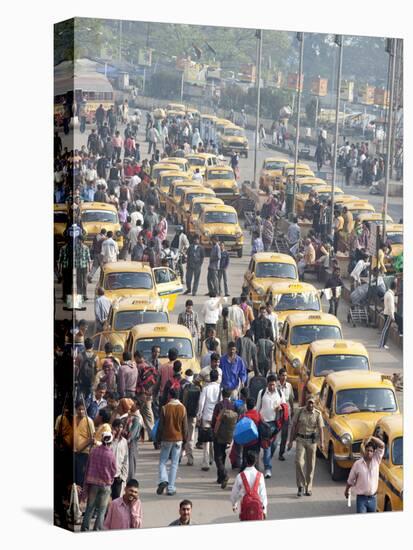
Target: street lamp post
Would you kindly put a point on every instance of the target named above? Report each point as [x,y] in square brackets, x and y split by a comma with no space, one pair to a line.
[257,117]
[391,50]
[300,38]
[338,39]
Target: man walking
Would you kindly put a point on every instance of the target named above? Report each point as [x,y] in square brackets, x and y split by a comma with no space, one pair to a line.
[99,476]
[189,319]
[334,284]
[97,252]
[234,371]
[102,308]
[288,394]
[389,310]
[307,424]
[190,399]
[171,434]
[222,271]
[249,482]
[214,261]
[83,265]
[223,423]
[207,401]
[110,250]
[127,376]
[268,405]
[195,259]
[364,476]
[121,452]
[125,512]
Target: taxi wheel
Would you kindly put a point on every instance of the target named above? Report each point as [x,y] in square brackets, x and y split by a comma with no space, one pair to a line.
[336,472]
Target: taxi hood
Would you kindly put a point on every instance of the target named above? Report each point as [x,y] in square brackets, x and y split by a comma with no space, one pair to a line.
[360,425]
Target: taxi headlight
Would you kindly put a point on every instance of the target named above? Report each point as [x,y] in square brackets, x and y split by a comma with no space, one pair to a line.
[346,439]
[296,363]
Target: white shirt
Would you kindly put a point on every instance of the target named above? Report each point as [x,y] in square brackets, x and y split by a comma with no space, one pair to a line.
[211,310]
[135,216]
[358,270]
[110,251]
[236,315]
[287,391]
[238,490]
[197,177]
[389,303]
[208,399]
[267,403]
[183,242]
[135,180]
[91,174]
[121,451]
[273,318]
[133,235]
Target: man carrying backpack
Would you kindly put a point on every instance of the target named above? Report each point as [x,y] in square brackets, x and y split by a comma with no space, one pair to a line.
[269,404]
[190,399]
[147,381]
[223,423]
[249,488]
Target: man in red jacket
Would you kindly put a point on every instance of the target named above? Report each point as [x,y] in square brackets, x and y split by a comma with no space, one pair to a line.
[255,416]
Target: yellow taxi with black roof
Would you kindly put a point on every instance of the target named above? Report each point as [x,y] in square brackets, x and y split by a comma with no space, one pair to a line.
[220,221]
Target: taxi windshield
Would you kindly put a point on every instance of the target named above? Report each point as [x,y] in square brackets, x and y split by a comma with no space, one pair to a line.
[237,132]
[183,345]
[198,206]
[190,196]
[394,238]
[365,400]
[60,217]
[397,451]
[298,301]
[324,364]
[276,269]
[220,175]
[274,165]
[125,320]
[220,217]
[309,333]
[193,161]
[167,180]
[105,216]
[306,188]
[114,281]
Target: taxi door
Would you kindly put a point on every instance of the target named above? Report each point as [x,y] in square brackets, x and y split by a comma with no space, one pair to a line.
[303,378]
[117,339]
[168,285]
[249,275]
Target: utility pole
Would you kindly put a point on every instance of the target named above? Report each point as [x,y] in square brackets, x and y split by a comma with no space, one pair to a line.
[120,40]
[258,35]
[300,38]
[338,39]
[391,44]
[182,85]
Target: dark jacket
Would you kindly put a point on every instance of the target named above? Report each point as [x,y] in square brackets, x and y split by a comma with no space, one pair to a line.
[259,326]
[215,257]
[195,256]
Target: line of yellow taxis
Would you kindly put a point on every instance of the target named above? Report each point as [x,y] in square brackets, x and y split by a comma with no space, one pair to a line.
[355,402]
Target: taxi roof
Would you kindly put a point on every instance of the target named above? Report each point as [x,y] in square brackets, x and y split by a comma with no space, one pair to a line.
[219,207]
[179,106]
[358,379]
[274,257]
[62,207]
[345,198]
[235,127]
[340,347]
[285,287]
[185,183]
[392,424]
[162,165]
[315,318]
[198,189]
[224,121]
[373,217]
[147,330]
[126,266]
[209,117]
[277,159]
[174,172]
[219,168]
[173,160]
[327,189]
[353,205]
[207,200]
[394,227]
[299,165]
[313,180]
[200,155]
[97,206]
[138,304]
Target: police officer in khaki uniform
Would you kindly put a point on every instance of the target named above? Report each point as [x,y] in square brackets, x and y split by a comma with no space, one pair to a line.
[307,423]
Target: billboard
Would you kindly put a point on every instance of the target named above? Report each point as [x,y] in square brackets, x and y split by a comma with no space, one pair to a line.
[292,81]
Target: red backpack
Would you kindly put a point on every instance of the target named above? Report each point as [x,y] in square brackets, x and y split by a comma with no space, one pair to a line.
[251,505]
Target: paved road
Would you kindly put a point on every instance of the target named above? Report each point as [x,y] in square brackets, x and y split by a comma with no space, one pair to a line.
[211,503]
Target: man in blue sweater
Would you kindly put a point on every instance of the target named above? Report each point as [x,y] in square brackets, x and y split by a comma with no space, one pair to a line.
[234,371]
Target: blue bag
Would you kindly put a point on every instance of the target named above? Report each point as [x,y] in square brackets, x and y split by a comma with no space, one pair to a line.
[245,432]
[155,430]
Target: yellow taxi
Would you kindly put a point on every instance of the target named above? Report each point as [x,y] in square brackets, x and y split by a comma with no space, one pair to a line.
[303,171]
[187,197]
[375,218]
[394,238]
[323,192]
[264,269]
[163,167]
[100,215]
[221,124]
[173,198]
[137,279]
[359,207]
[271,172]
[233,139]
[165,335]
[164,181]
[59,222]
[351,403]
[176,107]
[221,221]
[221,180]
[125,313]
[287,297]
[208,118]
[303,187]
[342,199]
[201,161]
[325,356]
[297,333]
[179,163]
[191,217]
[390,491]
[117,340]
[193,112]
